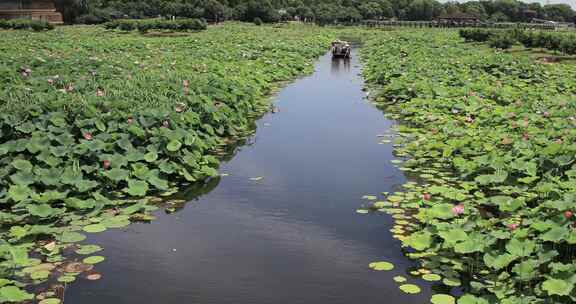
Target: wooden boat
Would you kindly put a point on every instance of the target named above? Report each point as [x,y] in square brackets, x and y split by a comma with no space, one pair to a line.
[341,49]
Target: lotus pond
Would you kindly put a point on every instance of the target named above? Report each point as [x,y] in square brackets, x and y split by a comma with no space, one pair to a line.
[96,126]
[491,138]
[103,133]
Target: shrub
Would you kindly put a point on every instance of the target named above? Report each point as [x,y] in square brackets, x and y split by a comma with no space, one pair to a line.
[156,24]
[89,19]
[477,35]
[257,21]
[126,25]
[502,41]
[26,24]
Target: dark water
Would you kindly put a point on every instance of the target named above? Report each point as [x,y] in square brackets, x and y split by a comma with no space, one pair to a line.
[294,236]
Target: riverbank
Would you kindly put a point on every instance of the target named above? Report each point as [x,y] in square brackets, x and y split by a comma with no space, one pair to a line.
[491,137]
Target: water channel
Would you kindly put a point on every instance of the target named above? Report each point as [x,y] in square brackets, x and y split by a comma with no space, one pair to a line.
[292,237]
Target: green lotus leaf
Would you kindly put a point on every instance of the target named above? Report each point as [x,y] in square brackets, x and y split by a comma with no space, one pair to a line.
[410,288]
[442,299]
[66,279]
[174,146]
[22,165]
[88,249]
[520,248]
[94,228]
[557,287]
[431,277]
[137,188]
[419,240]
[23,178]
[43,210]
[452,282]
[470,299]
[119,221]
[555,234]
[453,236]
[381,266]
[40,275]
[151,156]
[19,192]
[117,174]
[71,237]
[526,270]
[50,301]
[93,260]
[14,294]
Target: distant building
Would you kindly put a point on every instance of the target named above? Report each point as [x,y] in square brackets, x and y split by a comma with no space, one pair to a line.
[529,14]
[30,9]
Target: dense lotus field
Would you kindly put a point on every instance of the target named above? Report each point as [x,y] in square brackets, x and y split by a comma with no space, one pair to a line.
[490,139]
[96,124]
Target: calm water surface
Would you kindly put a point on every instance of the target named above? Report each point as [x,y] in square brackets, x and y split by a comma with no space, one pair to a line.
[294,236]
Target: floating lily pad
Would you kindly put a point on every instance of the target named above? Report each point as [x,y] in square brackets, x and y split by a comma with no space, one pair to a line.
[94,228]
[399,279]
[50,301]
[93,259]
[88,249]
[381,266]
[442,299]
[66,279]
[452,282]
[71,237]
[410,288]
[362,211]
[40,275]
[431,277]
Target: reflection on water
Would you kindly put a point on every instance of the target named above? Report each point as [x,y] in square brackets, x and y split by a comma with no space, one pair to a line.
[340,65]
[292,237]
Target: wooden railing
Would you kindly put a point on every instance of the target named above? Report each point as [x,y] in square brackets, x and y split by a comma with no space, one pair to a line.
[461,24]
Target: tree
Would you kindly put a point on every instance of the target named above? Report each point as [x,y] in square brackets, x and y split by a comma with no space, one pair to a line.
[499,17]
[558,12]
[370,10]
[423,9]
[214,10]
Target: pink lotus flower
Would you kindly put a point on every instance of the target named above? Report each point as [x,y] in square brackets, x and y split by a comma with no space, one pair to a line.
[186,83]
[88,136]
[106,164]
[546,114]
[99,92]
[512,227]
[130,120]
[458,209]
[469,119]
